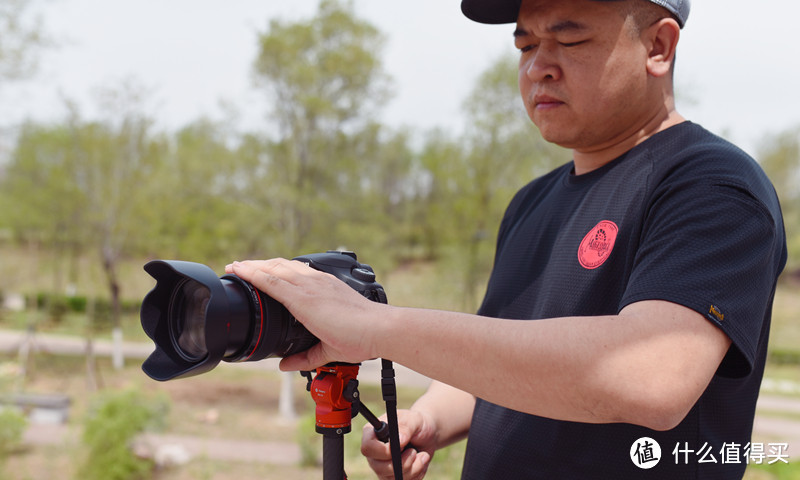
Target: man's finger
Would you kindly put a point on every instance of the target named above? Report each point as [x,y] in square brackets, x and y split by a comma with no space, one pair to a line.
[306,360]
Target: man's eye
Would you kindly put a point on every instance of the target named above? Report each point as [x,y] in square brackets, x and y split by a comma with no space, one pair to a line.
[572,44]
[526,48]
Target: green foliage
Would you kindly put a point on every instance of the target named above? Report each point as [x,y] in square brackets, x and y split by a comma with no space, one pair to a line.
[191,207]
[58,306]
[325,82]
[43,163]
[88,178]
[309,441]
[12,426]
[12,421]
[109,431]
[322,73]
[78,304]
[778,356]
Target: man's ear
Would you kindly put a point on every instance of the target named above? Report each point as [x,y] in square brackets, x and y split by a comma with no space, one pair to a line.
[662,39]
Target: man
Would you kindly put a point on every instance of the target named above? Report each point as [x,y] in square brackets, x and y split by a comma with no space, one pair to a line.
[648,263]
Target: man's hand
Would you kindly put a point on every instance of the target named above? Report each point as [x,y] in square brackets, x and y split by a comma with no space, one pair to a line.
[335,313]
[417,440]
[437,419]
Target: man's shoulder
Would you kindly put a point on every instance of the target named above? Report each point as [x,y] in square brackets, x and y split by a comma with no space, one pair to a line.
[689,151]
[690,141]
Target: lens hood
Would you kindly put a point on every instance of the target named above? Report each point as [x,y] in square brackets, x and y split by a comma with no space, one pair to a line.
[167,361]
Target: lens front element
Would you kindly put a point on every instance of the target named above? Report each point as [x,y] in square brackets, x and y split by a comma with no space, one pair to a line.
[188,311]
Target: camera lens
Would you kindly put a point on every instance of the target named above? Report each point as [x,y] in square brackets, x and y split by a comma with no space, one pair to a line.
[262,327]
[188,309]
[197,319]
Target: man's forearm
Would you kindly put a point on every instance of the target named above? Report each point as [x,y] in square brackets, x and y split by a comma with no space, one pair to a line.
[647,365]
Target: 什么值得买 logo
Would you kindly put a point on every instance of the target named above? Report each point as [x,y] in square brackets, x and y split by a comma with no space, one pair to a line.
[645,453]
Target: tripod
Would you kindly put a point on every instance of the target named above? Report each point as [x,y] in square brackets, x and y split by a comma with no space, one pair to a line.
[334,390]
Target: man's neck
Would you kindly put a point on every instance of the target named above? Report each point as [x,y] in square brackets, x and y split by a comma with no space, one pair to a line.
[586,160]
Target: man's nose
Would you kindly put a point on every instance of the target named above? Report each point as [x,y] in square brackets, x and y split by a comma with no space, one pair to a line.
[542,65]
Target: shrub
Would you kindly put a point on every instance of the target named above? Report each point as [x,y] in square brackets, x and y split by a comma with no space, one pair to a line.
[12,426]
[109,431]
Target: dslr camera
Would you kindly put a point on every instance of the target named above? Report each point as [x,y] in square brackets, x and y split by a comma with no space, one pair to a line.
[197,319]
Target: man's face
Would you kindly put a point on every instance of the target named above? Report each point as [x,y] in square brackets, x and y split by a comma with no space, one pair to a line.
[582,73]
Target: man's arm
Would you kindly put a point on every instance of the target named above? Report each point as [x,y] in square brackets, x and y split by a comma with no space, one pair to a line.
[646,366]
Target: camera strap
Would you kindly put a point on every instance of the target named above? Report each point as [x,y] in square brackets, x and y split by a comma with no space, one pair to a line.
[389,392]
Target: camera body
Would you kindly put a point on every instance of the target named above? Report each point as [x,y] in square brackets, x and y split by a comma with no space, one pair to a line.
[197,319]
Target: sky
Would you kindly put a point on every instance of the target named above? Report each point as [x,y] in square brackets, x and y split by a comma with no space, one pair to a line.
[737,71]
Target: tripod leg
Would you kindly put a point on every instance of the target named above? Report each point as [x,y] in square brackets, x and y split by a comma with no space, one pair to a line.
[333,457]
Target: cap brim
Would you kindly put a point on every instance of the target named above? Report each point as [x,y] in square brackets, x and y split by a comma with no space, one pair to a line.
[493,12]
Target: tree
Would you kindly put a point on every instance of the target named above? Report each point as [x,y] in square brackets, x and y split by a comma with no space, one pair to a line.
[89,180]
[437,190]
[115,158]
[18,39]
[53,215]
[325,82]
[375,208]
[190,211]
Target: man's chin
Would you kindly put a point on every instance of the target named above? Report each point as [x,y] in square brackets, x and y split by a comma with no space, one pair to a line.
[558,137]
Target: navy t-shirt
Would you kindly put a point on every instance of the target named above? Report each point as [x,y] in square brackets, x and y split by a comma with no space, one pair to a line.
[684,217]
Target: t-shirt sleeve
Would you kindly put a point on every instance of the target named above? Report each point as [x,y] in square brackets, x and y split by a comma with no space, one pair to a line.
[712,247]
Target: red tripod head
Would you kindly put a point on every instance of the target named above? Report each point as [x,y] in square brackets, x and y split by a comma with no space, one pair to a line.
[335,392]
[332,390]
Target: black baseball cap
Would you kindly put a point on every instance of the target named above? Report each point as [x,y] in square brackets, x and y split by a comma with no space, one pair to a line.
[505,11]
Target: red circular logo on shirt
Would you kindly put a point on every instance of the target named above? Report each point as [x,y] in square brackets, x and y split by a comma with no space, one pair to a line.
[597,244]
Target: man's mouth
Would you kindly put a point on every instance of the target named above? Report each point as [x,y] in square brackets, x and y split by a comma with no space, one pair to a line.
[544,102]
